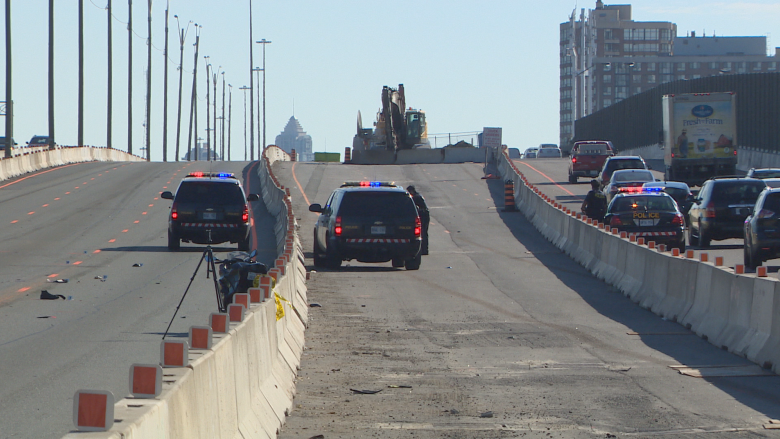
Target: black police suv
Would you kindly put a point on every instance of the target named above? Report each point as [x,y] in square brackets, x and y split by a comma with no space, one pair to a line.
[720,208]
[209,208]
[762,229]
[368,222]
[649,213]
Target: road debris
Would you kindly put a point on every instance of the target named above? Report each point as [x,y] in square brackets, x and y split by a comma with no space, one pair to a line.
[45,295]
[365,392]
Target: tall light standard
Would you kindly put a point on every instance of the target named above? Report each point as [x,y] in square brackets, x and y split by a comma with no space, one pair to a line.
[110,81]
[260,146]
[165,88]
[51,74]
[182,37]
[130,77]
[214,78]
[148,123]
[80,137]
[208,110]
[193,100]
[264,42]
[251,86]
[243,88]
[230,116]
[9,113]
[222,125]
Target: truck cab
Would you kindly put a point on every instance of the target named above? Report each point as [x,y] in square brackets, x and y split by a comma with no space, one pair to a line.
[588,157]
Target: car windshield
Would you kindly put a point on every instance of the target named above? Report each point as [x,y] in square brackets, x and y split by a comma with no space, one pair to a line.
[633,176]
[377,203]
[737,192]
[772,202]
[646,202]
[676,193]
[219,194]
[766,173]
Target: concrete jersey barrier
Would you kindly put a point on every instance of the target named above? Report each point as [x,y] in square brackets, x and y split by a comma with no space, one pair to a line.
[735,312]
[42,159]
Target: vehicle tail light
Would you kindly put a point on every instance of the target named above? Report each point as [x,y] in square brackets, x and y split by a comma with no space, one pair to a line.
[678,220]
[574,159]
[417,227]
[337,230]
[615,221]
[245,215]
[764,213]
[709,212]
[174,212]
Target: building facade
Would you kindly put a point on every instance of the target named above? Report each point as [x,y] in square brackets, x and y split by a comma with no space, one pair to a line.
[294,137]
[606,56]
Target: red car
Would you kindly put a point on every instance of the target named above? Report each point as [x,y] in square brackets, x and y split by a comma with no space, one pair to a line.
[588,157]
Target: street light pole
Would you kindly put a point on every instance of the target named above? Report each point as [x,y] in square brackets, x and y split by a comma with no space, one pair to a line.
[251,86]
[222,125]
[259,145]
[193,99]
[110,80]
[165,88]
[80,139]
[182,37]
[147,124]
[9,113]
[130,77]
[51,74]
[244,88]
[214,78]
[208,110]
[230,117]
[264,42]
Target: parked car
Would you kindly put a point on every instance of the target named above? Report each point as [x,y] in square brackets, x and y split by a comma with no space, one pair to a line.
[763,173]
[720,208]
[762,229]
[614,163]
[626,178]
[678,190]
[3,143]
[587,158]
[530,153]
[648,212]
[549,153]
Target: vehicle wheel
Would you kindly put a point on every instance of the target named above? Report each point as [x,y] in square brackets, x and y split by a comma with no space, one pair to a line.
[704,240]
[332,259]
[318,260]
[243,244]
[414,263]
[572,179]
[398,262]
[173,242]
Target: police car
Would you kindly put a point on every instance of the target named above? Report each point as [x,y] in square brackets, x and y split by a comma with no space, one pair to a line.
[369,221]
[649,213]
[209,208]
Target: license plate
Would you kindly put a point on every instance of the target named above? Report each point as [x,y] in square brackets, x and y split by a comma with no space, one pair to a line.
[209,215]
[378,230]
[645,222]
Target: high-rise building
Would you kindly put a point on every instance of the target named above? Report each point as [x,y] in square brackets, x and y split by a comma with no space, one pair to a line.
[294,137]
[606,56]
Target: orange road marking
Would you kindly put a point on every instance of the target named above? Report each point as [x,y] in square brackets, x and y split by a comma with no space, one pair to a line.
[151,205]
[550,179]
[14,221]
[144,213]
[96,251]
[125,231]
[112,240]
[30,213]
[92,178]
[67,193]
[37,174]
[77,263]
[45,205]
[22,290]
[136,221]
[53,275]
[300,188]
[57,199]
[78,187]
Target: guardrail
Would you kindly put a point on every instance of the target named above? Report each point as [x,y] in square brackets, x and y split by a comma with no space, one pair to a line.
[736,312]
[240,383]
[31,161]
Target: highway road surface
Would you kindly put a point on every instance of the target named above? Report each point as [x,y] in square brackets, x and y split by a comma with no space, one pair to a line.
[100,227]
[498,334]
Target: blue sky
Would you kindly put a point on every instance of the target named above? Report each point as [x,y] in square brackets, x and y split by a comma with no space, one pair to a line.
[466,64]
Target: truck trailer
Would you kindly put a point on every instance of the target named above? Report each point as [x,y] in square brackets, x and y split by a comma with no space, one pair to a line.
[700,136]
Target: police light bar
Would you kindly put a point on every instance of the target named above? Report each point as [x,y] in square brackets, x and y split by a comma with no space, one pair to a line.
[630,190]
[201,174]
[369,184]
[653,190]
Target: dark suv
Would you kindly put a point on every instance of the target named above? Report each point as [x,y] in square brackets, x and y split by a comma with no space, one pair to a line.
[209,208]
[762,229]
[719,210]
[615,162]
[369,222]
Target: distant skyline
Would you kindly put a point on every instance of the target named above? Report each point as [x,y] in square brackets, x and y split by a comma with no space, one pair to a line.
[466,64]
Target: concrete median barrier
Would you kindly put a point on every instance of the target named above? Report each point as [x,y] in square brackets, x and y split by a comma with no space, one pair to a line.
[464,155]
[419,156]
[735,311]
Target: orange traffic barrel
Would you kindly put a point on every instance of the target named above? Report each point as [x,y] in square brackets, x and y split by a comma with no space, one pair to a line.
[293,156]
[347,154]
[509,196]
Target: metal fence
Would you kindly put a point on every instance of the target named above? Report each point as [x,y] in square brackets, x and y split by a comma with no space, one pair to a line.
[638,120]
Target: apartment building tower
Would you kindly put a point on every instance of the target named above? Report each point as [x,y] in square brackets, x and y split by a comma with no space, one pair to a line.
[606,56]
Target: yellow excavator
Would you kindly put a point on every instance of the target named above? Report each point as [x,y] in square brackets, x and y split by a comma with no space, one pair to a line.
[396,126]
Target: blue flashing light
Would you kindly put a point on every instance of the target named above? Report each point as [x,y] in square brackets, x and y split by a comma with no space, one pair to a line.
[653,190]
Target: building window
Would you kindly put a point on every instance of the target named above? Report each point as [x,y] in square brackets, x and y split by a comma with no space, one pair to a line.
[680,66]
[666,78]
[680,76]
[566,129]
[651,34]
[621,80]
[621,92]
[665,34]
[713,65]
[637,90]
[637,67]
[666,67]
[566,117]
[651,67]
[651,79]
[607,67]
[636,79]
[608,34]
[607,91]
[741,67]
[565,82]
[611,47]
[695,76]
[565,94]
[566,105]
[727,65]
[566,71]
[607,79]
[772,66]
[666,48]
[757,67]
[695,65]
[607,103]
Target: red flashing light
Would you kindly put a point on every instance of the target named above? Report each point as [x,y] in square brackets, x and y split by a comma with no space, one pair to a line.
[672,155]
[417,227]
[678,220]
[174,212]
[245,215]
[197,174]
[337,230]
[574,159]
